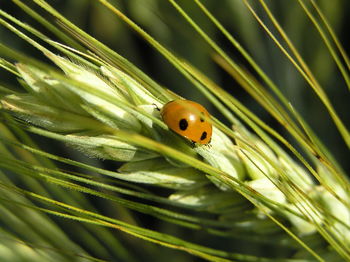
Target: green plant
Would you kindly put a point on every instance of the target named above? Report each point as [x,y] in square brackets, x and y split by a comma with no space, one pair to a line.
[251,188]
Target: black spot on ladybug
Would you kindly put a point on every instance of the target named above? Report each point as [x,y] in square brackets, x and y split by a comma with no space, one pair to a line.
[183,124]
[204,135]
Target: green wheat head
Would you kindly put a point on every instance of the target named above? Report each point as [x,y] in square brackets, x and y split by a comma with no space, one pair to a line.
[251,184]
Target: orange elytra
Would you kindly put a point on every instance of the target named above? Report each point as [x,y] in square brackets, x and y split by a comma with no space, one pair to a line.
[188,119]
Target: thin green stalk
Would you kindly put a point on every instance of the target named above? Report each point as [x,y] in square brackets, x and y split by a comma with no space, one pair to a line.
[304,70]
[330,47]
[332,33]
[153,236]
[48,25]
[284,118]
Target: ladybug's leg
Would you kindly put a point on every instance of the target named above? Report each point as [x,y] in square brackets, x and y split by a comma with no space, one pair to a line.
[208,145]
[156,107]
[193,144]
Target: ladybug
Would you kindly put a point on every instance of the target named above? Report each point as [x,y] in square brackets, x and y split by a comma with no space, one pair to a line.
[188,119]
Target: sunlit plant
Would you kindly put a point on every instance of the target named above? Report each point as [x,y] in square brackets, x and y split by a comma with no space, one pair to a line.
[252,194]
